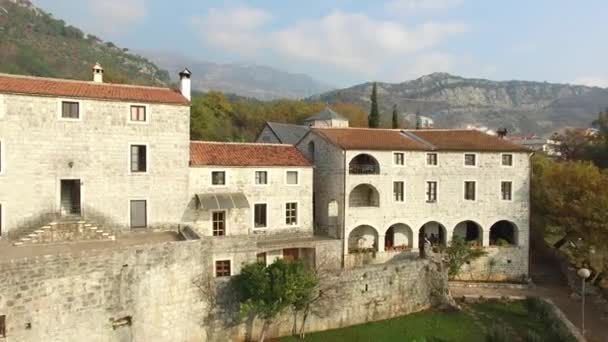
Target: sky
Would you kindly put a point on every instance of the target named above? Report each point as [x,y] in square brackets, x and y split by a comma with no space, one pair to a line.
[343,42]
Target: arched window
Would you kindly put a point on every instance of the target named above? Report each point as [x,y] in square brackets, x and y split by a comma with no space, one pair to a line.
[398,237]
[503,233]
[364,164]
[311,150]
[364,195]
[434,231]
[363,238]
[469,231]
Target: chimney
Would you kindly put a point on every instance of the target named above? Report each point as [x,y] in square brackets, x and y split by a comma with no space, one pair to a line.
[97,73]
[184,83]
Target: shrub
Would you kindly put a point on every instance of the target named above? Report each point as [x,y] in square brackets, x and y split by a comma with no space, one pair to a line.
[532,336]
[497,333]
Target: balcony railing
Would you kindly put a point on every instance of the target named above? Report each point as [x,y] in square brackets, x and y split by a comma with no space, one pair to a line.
[364,169]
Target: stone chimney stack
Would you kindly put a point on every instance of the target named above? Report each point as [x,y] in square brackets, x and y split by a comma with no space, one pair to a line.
[97,73]
[184,83]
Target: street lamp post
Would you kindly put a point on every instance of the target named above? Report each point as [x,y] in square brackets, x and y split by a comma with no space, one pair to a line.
[583,273]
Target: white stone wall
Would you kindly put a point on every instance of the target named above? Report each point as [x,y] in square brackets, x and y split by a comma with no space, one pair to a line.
[40,150]
[242,179]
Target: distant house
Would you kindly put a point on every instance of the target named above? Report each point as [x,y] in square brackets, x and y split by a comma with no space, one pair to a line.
[425,121]
[284,133]
[547,146]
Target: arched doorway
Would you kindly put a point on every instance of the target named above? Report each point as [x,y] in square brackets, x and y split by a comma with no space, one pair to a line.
[503,233]
[469,231]
[363,238]
[398,237]
[363,164]
[435,232]
[364,195]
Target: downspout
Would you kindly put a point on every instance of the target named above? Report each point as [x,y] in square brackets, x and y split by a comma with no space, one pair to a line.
[344,209]
[530,175]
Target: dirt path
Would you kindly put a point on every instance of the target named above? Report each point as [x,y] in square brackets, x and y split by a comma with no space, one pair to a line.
[551,284]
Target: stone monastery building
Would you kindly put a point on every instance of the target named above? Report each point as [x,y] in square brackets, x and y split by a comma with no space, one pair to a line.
[95,161]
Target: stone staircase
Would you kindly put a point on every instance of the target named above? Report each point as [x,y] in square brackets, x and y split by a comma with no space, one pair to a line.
[64,230]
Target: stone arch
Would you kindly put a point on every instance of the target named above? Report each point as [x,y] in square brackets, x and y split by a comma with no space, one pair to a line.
[311,150]
[363,238]
[399,236]
[503,233]
[364,164]
[434,231]
[469,231]
[364,195]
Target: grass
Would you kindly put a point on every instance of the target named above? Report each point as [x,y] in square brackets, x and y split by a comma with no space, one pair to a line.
[433,326]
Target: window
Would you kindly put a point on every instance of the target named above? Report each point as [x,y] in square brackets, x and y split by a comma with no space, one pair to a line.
[138,113]
[431,191]
[222,268]
[291,214]
[507,160]
[261,258]
[70,110]
[311,150]
[469,191]
[399,158]
[398,191]
[261,177]
[469,159]
[138,158]
[260,219]
[218,177]
[292,177]
[431,159]
[506,190]
[2,326]
[219,223]
[139,214]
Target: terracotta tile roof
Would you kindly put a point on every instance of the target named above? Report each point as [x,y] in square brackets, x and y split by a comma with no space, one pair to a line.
[13,84]
[424,140]
[204,153]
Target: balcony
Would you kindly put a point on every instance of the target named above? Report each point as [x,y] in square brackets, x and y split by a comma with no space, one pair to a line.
[363,164]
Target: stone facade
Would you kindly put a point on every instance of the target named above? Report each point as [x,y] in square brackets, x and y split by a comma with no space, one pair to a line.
[40,149]
[157,293]
[366,226]
[267,136]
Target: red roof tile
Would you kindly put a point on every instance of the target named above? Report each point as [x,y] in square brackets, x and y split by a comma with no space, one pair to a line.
[203,153]
[424,140]
[80,89]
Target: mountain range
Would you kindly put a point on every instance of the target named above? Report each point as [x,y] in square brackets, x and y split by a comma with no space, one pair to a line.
[522,107]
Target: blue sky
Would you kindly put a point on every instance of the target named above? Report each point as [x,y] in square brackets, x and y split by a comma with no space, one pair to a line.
[347,42]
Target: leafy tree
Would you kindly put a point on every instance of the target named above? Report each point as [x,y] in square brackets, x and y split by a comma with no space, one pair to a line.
[458,253]
[395,117]
[266,291]
[374,113]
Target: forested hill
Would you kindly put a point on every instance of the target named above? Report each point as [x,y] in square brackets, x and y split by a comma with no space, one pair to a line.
[32,42]
[453,102]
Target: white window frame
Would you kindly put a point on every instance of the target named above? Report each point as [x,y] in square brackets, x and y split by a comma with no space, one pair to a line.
[129,211]
[147,121]
[148,155]
[225,178]
[253,216]
[436,190]
[464,190]
[267,177]
[500,190]
[60,109]
[285,214]
[225,222]
[393,190]
[512,159]
[231,259]
[2,156]
[298,176]
[426,159]
[464,159]
[404,161]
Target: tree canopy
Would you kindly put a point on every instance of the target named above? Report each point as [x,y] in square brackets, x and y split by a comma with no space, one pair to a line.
[374,112]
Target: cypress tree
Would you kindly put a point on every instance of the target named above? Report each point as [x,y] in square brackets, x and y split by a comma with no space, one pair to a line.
[395,117]
[374,114]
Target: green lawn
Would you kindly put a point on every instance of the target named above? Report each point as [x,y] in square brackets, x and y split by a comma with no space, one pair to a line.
[431,326]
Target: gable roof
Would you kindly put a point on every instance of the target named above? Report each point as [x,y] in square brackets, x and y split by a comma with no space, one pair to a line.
[207,153]
[416,140]
[26,85]
[288,133]
[326,114]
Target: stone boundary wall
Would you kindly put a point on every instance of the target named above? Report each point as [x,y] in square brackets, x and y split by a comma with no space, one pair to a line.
[154,293]
[500,264]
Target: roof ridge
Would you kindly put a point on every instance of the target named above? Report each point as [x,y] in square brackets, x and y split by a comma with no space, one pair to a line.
[68,80]
[239,143]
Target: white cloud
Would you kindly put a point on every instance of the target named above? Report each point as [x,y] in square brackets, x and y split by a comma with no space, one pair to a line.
[353,42]
[410,6]
[113,16]
[592,81]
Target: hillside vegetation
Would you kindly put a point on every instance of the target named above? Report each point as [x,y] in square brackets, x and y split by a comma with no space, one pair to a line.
[32,42]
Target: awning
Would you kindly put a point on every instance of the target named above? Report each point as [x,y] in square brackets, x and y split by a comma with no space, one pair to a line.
[234,200]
